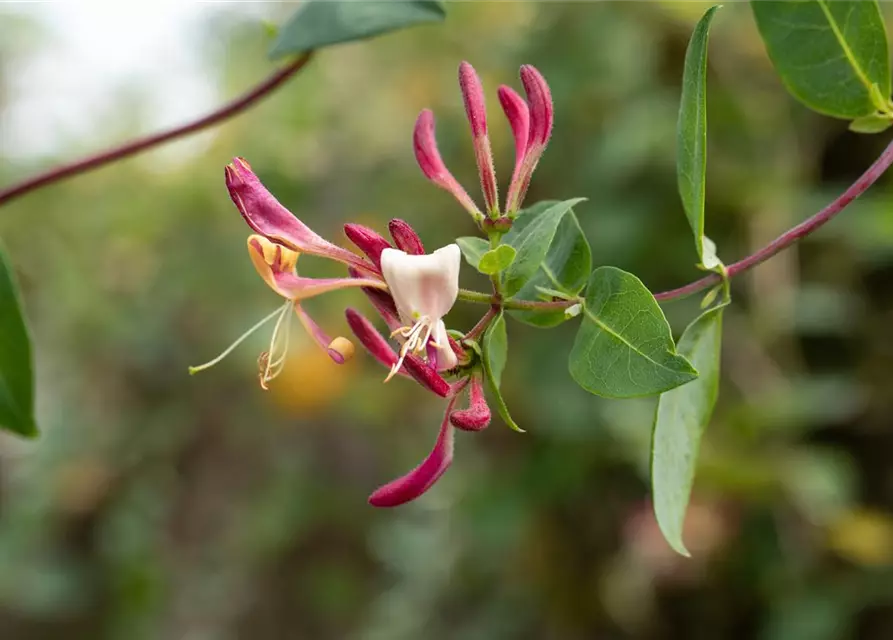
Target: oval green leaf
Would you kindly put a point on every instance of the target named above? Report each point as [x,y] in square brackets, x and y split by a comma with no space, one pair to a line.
[319,23]
[681,417]
[16,373]
[473,249]
[624,347]
[496,260]
[563,272]
[828,53]
[494,348]
[532,242]
[691,131]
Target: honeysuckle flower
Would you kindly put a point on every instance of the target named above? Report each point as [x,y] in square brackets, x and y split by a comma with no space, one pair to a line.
[531,123]
[274,250]
[424,288]
[413,484]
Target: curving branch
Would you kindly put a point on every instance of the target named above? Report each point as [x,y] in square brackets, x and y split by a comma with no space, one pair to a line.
[789,237]
[782,242]
[89,163]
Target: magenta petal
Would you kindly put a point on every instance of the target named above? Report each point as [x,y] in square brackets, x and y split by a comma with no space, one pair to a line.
[432,165]
[542,110]
[477,415]
[422,372]
[519,118]
[367,241]
[473,96]
[295,287]
[383,303]
[518,115]
[269,218]
[476,110]
[320,336]
[371,339]
[405,237]
[423,477]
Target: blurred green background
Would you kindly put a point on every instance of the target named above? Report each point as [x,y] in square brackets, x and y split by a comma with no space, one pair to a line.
[156,505]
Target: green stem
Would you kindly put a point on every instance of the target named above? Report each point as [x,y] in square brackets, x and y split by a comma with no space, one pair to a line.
[480,297]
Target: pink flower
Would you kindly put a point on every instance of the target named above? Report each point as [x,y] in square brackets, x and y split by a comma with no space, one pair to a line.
[274,250]
[531,123]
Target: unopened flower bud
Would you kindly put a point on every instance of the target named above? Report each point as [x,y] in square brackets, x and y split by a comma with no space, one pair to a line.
[405,237]
[476,110]
[367,241]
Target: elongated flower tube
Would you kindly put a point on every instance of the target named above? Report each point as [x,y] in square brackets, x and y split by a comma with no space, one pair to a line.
[419,480]
[424,289]
[531,123]
[428,156]
[518,115]
[274,251]
[476,111]
[541,111]
[368,241]
[379,348]
[267,217]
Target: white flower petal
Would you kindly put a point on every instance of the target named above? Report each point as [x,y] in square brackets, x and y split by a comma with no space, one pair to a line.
[425,285]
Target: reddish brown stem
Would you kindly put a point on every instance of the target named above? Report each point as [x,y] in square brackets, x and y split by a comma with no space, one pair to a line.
[785,240]
[141,144]
[483,323]
[782,242]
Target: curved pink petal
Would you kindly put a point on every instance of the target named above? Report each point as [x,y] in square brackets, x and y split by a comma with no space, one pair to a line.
[426,376]
[372,340]
[367,241]
[428,156]
[269,218]
[477,416]
[320,336]
[383,303]
[295,287]
[542,111]
[476,110]
[423,477]
[405,237]
[518,115]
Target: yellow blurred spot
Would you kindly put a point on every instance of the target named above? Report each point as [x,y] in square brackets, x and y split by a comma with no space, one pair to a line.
[864,536]
[311,381]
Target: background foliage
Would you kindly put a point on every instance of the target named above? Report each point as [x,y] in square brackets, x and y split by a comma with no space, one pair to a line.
[161,506]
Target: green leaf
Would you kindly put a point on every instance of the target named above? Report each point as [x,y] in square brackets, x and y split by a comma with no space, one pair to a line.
[16,374]
[532,242]
[874,123]
[473,249]
[319,23]
[624,347]
[563,272]
[828,54]
[495,353]
[681,417]
[496,260]
[691,131]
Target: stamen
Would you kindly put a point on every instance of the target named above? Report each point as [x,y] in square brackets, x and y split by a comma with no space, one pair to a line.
[274,362]
[230,348]
[414,342]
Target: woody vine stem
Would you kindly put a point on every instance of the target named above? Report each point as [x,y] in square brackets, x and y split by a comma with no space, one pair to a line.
[281,76]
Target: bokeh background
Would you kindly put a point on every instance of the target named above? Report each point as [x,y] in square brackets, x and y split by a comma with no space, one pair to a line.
[158,505]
